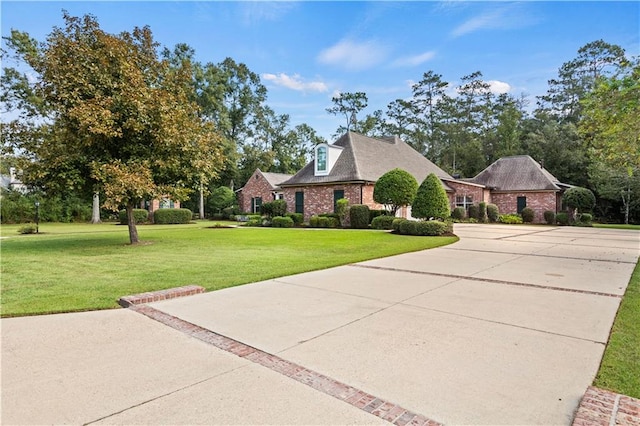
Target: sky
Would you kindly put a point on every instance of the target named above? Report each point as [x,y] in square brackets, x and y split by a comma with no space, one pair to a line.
[309,51]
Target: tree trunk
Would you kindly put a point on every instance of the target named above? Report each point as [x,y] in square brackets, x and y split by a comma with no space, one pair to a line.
[201,202]
[131,222]
[95,213]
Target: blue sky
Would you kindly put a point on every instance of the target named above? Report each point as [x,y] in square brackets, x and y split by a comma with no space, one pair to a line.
[306,52]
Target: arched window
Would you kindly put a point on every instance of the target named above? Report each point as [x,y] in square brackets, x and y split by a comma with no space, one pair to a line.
[321,159]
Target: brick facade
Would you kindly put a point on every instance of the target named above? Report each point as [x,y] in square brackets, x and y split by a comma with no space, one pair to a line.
[319,199]
[256,186]
[540,202]
[477,193]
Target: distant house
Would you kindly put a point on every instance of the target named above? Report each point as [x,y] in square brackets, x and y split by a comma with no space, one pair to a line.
[12,181]
[519,181]
[262,187]
[350,167]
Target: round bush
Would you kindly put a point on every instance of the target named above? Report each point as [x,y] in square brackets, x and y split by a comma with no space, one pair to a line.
[313,221]
[409,227]
[492,213]
[586,217]
[172,216]
[282,222]
[431,228]
[139,216]
[527,215]
[458,213]
[562,218]
[550,217]
[395,225]
[297,218]
[359,216]
[578,198]
[382,222]
[473,212]
[395,188]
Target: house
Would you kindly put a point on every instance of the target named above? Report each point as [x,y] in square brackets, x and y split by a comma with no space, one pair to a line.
[261,187]
[12,181]
[519,181]
[350,167]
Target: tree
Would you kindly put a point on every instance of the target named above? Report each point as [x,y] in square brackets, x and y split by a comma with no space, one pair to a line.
[395,189]
[579,200]
[221,198]
[431,200]
[118,116]
[348,105]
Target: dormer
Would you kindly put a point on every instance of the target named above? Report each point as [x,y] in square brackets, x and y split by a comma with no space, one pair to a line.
[325,158]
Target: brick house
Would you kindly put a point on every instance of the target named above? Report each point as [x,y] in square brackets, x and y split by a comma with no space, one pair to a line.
[261,188]
[516,182]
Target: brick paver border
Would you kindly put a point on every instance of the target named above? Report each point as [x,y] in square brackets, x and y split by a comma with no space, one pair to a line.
[379,407]
[600,407]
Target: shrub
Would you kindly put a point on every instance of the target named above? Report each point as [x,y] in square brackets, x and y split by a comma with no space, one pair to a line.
[253,222]
[298,218]
[473,212]
[172,216]
[382,222]
[395,189]
[431,228]
[482,212]
[221,198]
[395,225]
[562,218]
[409,227]
[27,229]
[431,200]
[228,212]
[527,215]
[373,213]
[342,211]
[282,222]
[313,221]
[581,199]
[274,208]
[550,217]
[510,218]
[586,218]
[458,213]
[359,216]
[139,216]
[492,213]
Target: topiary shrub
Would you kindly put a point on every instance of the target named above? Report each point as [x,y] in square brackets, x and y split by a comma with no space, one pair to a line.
[373,213]
[382,222]
[409,227]
[172,216]
[482,212]
[139,216]
[313,221]
[298,218]
[581,199]
[342,211]
[473,212]
[395,225]
[562,218]
[431,228]
[527,215]
[458,213]
[492,213]
[431,200]
[282,222]
[359,216]
[550,217]
[394,189]
[510,218]
[586,218]
[325,222]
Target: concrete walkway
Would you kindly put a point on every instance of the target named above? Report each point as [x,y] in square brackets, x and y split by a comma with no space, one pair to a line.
[507,326]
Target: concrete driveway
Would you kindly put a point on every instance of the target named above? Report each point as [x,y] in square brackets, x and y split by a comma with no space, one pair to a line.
[507,326]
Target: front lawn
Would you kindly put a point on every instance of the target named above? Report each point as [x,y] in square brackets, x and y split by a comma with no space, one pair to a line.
[76,267]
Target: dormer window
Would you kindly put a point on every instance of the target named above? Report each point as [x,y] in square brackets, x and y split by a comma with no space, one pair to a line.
[321,159]
[326,157]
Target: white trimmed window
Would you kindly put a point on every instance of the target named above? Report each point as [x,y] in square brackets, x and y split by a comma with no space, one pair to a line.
[464,201]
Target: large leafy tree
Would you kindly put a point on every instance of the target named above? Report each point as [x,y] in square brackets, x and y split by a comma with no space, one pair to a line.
[395,189]
[117,116]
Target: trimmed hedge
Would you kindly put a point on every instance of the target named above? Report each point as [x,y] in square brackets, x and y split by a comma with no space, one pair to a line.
[527,215]
[274,208]
[550,217]
[510,218]
[428,228]
[586,217]
[359,216]
[282,222]
[373,213]
[317,221]
[298,218]
[395,225]
[382,222]
[562,218]
[458,213]
[139,216]
[493,213]
[172,216]
[473,212]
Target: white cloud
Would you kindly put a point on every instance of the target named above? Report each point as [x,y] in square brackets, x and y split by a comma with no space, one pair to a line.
[412,61]
[295,82]
[354,56]
[258,11]
[498,87]
[507,17]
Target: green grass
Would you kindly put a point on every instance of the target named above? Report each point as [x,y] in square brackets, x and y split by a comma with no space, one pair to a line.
[620,367]
[617,226]
[72,267]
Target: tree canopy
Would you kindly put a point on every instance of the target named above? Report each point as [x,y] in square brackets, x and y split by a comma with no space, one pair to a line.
[395,189]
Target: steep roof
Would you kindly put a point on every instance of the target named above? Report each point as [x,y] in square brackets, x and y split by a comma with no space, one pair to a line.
[366,159]
[275,179]
[518,173]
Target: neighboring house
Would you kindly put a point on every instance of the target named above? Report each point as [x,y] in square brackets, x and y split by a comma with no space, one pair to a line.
[518,182]
[262,187]
[350,167]
[12,181]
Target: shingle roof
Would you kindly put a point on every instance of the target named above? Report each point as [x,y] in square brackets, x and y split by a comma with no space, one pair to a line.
[275,179]
[517,173]
[366,159]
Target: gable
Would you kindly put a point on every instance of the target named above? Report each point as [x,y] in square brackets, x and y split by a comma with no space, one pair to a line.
[517,173]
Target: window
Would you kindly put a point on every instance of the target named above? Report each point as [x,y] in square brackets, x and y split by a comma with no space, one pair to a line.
[256,203]
[522,203]
[337,194]
[278,196]
[464,201]
[321,159]
[300,202]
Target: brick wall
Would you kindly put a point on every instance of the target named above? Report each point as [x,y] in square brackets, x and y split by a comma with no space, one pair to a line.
[477,193]
[319,199]
[256,186]
[538,201]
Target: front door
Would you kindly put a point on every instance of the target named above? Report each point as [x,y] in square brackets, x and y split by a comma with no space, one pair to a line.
[522,203]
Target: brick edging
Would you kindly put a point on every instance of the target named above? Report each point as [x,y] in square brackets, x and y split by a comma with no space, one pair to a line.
[156,296]
[379,407]
[600,407]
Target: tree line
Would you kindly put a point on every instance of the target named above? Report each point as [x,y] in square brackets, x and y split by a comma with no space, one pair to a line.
[120,116]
